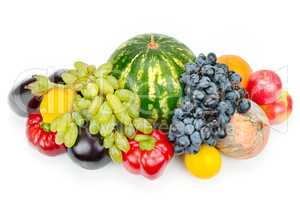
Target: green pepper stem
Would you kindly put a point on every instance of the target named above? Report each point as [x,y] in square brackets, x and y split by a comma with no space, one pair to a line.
[146,142]
[46,127]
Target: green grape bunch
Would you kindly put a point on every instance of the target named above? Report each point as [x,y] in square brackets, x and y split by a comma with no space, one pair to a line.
[100,103]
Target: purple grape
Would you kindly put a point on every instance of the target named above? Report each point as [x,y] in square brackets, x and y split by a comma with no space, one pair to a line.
[189,129]
[244,106]
[235,77]
[194,148]
[178,150]
[212,94]
[204,82]
[211,58]
[198,95]
[201,60]
[183,141]
[195,138]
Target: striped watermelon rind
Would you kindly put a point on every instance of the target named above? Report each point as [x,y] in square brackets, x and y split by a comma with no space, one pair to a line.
[151,65]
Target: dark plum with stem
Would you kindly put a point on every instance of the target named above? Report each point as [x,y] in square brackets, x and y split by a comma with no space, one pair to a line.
[56,77]
[88,152]
[20,99]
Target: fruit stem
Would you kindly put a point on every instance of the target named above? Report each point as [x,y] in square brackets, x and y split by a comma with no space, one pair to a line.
[152,44]
[46,127]
[146,142]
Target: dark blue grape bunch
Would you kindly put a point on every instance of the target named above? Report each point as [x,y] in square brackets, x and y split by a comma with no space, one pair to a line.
[212,94]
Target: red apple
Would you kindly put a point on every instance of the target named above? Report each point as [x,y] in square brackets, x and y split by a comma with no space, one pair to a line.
[264,87]
[280,110]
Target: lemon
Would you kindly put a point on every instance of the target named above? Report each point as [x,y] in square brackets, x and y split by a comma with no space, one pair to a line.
[204,164]
[56,102]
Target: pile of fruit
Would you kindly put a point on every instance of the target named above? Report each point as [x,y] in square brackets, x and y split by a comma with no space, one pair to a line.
[153,99]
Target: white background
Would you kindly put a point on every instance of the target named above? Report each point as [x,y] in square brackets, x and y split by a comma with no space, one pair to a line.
[54,34]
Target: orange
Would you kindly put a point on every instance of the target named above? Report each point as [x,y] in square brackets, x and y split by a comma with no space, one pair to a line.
[239,65]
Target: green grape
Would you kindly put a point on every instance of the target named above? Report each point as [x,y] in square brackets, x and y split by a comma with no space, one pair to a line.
[115,154]
[54,124]
[109,141]
[133,110]
[94,127]
[79,64]
[61,126]
[78,119]
[108,127]
[86,114]
[123,117]
[90,91]
[81,68]
[136,100]
[113,81]
[77,97]
[124,94]
[75,107]
[118,108]
[92,78]
[68,78]
[104,114]
[115,103]
[104,86]
[128,96]
[63,122]
[91,69]
[142,125]
[83,103]
[73,72]
[71,135]
[129,131]
[40,87]
[77,86]
[121,142]
[59,138]
[131,101]
[95,105]
[83,79]
[67,118]
[103,70]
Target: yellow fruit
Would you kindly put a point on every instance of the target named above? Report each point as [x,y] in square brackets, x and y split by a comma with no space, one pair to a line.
[204,164]
[56,102]
[239,65]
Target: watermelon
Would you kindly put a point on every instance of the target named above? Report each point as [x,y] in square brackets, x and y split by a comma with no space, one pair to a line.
[151,65]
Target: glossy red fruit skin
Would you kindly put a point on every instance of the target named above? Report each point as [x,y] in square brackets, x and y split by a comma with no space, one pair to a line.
[149,163]
[264,87]
[280,110]
[42,140]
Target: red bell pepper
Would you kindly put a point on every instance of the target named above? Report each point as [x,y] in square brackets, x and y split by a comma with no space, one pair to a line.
[39,134]
[148,154]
